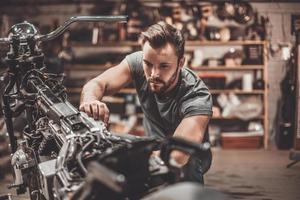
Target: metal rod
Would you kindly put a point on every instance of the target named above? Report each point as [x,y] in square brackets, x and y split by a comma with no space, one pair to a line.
[5,40]
[8,115]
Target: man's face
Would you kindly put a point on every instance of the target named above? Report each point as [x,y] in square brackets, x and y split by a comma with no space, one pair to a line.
[161,67]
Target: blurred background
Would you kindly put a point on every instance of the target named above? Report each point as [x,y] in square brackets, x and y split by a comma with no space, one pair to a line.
[245,51]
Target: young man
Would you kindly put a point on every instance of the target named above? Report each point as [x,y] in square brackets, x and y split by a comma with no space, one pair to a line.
[175,102]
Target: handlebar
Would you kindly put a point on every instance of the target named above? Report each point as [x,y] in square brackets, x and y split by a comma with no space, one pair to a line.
[61,29]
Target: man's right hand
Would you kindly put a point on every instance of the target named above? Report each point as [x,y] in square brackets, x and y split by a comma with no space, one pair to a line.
[96,109]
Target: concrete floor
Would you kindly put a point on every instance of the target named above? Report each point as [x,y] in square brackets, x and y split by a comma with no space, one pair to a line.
[254,174]
[244,174]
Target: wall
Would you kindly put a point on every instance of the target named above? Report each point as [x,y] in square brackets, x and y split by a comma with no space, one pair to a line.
[280,26]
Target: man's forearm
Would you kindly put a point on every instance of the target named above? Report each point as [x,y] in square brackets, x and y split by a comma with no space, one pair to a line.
[191,129]
[92,91]
[107,83]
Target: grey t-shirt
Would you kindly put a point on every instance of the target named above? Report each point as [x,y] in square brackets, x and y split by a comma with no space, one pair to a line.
[162,117]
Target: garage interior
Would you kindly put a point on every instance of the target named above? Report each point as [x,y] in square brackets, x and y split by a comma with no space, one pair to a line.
[246,52]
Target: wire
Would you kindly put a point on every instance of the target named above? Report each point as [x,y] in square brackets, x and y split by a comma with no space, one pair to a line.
[79,156]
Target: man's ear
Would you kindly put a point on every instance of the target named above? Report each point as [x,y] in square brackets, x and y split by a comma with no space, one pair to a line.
[181,62]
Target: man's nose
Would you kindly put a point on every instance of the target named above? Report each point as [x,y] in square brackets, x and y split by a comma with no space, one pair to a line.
[155,72]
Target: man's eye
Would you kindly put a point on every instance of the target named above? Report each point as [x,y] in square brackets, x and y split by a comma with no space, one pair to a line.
[164,66]
[148,64]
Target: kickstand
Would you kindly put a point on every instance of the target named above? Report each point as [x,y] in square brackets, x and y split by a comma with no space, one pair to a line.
[295,157]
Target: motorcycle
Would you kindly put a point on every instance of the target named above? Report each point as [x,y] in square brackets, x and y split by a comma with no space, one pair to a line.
[64,154]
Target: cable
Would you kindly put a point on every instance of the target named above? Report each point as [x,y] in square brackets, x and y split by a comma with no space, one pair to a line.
[79,156]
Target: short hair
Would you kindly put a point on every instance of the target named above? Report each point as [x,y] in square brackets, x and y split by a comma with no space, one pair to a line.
[161,33]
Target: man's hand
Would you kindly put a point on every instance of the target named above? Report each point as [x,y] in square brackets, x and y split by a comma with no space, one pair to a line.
[96,109]
[177,158]
[107,83]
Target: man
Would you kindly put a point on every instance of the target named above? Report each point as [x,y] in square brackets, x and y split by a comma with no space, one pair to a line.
[175,102]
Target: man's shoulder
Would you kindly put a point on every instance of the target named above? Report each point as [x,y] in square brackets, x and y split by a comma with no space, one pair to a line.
[136,56]
[190,81]
[193,88]
[137,53]
[189,75]
[135,63]
[194,96]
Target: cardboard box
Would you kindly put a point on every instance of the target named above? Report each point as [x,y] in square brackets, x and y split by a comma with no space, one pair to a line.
[242,140]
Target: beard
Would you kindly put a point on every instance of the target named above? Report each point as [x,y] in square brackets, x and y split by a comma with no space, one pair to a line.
[159,86]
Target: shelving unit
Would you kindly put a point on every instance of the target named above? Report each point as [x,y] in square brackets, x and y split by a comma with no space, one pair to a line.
[241,69]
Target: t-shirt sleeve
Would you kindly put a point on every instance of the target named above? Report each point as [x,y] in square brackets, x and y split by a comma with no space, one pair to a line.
[197,102]
[135,62]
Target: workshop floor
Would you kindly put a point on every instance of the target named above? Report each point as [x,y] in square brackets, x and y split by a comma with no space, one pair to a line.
[245,174]
[254,174]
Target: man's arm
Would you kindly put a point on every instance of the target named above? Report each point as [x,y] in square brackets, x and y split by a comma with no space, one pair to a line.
[107,83]
[192,129]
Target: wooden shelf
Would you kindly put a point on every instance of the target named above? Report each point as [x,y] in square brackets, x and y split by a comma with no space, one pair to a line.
[213,91]
[84,67]
[225,68]
[128,91]
[141,115]
[110,99]
[228,43]
[119,44]
[235,118]
[106,44]
[77,90]
[219,91]
[198,69]
[79,67]
[74,90]
[102,49]
[191,43]
[107,99]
